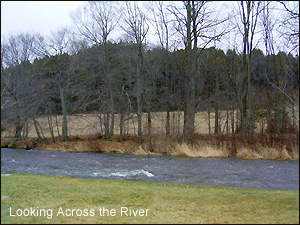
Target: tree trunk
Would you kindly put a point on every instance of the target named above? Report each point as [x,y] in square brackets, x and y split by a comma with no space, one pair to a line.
[262,126]
[178,123]
[64,116]
[39,125]
[121,126]
[237,124]
[209,127]
[174,123]
[37,129]
[51,127]
[112,124]
[57,127]
[232,120]
[25,126]
[149,123]
[217,107]
[18,131]
[243,116]
[250,104]
[216,120]
[139,96]
[140,132]
[168,123]
[293,116]
[106,125]
[50,124]
[227,124]
[189,96]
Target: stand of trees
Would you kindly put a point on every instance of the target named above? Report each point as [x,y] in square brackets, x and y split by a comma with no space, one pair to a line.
[65,75]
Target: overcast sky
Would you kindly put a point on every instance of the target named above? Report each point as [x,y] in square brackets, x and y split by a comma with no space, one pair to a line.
[46,16]
[37,16]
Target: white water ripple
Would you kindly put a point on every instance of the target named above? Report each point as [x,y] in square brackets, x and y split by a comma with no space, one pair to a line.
[126,173]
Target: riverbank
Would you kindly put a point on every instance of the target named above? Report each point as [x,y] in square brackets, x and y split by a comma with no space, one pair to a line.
[163,202]
[203,146]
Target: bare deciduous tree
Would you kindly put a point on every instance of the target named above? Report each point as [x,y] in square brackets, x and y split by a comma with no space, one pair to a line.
[290,24]
[16,79]
[95,21]
[248,14]
[197,24]
[137,28]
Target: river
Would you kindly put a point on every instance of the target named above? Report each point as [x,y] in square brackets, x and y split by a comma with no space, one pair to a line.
[232,172]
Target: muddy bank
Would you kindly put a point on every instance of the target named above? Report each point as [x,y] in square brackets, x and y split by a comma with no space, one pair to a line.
[162,145]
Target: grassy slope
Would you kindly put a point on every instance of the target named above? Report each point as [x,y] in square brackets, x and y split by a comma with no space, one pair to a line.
[167,203]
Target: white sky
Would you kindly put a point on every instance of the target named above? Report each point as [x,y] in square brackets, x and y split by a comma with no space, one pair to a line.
[46,16]
[37,16]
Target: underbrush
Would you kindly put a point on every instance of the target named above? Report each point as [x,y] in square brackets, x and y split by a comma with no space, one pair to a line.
[259,147]
[285,147]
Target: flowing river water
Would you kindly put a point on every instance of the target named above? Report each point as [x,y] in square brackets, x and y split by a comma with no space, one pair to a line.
[259,174]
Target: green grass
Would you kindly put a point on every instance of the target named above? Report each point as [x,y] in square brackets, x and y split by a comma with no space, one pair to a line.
[167,203]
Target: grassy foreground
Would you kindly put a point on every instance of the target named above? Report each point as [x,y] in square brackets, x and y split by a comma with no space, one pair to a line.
[166,203]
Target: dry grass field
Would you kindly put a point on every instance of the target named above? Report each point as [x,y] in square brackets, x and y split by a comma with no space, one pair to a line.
[89,124]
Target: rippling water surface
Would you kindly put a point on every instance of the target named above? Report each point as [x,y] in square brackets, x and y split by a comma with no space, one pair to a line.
[261,174]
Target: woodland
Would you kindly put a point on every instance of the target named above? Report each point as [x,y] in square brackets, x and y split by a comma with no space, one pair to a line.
[253,89]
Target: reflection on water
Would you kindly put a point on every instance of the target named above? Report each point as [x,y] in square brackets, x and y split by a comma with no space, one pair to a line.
[261,174]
